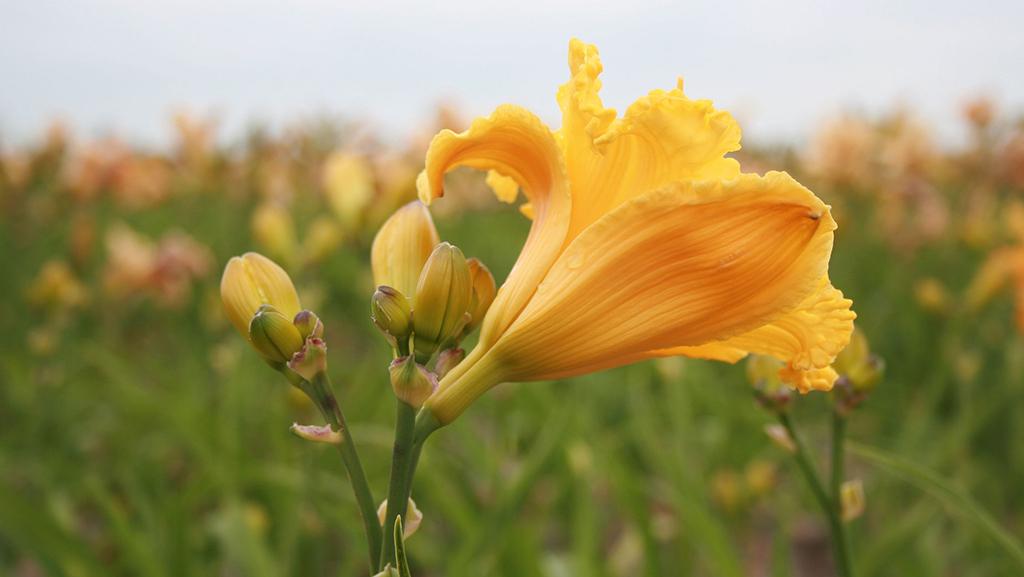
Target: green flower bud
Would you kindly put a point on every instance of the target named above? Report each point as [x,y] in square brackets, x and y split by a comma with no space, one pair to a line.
[309,324]
[763,375]
[390,311]
[443,297]
[411,381]
[861,369]
[273,335]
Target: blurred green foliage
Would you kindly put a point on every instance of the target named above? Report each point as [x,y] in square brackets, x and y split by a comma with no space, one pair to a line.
[138,439]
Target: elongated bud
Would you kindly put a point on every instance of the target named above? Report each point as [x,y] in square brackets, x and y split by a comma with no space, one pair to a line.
[442,299]
[484,289]
[411,381]
[273,335]
[447,360]
[402,246]
[390,311]
[310,360]
[388,571]
[309,324]
[252,280]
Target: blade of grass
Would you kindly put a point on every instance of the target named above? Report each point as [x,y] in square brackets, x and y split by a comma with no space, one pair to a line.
[951,497]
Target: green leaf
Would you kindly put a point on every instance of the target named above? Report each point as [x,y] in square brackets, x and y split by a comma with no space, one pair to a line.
[400,561]
[953,498]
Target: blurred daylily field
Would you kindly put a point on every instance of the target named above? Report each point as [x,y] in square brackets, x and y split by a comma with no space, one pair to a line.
[140,436]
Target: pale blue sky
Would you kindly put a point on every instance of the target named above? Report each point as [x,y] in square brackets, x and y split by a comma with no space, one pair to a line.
[781,67]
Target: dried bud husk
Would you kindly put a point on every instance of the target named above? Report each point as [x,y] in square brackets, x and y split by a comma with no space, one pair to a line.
[402,246]
[780,436]
[310,360]
[484,289]
[413,517]
[411,381]
[390,311]
[447,360]
[442,300]
[273,335]
[309,324]
[252,280]
[317,433]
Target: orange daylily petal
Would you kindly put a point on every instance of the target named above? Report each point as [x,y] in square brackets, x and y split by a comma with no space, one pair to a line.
[807,338]
[663,137]
[515,144]
[685,265]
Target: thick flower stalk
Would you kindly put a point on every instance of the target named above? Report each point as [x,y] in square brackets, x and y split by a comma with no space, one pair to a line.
[647,241]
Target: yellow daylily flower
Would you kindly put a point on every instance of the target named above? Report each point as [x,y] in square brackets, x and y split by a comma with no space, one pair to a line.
[647,241]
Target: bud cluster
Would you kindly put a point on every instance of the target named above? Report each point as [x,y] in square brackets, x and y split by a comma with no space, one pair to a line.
[429,297]
[260,300]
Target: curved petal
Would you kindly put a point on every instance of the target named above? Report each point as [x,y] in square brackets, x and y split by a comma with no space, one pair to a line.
[515,144]
[663,137]
[685,265]
[807,338]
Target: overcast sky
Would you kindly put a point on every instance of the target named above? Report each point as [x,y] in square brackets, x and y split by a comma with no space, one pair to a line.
[781,67]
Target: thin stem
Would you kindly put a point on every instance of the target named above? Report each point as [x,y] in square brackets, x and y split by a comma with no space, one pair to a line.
[319,390]
[828,507]
[838,457]
[398,489]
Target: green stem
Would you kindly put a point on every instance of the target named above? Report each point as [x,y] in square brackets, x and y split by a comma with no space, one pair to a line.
[828,507]
[319,390]
[838,458]
[398,489]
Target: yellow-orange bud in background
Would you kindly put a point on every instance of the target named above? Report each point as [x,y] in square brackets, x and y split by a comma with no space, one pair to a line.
[484,289]
[253,280]
[402,246]
[323,236]
[851,500]
[349,186]
[442,300]
[273,229]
